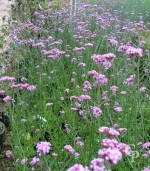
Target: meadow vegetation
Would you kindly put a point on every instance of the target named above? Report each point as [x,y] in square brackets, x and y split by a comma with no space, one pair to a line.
[77,86]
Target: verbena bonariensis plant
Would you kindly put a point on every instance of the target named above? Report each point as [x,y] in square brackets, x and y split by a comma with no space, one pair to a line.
[82,88]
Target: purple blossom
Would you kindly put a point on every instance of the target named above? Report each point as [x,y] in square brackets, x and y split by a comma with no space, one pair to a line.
[31,87]
[113,89]
[77,49]
[23,161]
[35,161]
[131,51]
[81,65]
[2,92]
[69,149]
[84,98]
[77,167]
[112,156]
[87,86]
[97,165]
[130,80]
[98,77]
[146,145]
[143,90]
[96,111]
[7,99]
[43,148]
[7,79]
[104,61]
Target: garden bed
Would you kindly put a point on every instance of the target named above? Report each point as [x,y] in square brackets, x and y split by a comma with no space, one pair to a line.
[77,88]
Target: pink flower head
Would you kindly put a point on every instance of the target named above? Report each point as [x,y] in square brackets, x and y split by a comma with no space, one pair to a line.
[104,61]
[83,113]
[76,155]
[113,89]
[109,56]
[103,130]
[118,109]
[53,54]
[130,80]
[87,86]
[7,79]
[143,90]
[97,165]
[23,161]
[96,111]
[7,99]
[123,48]
[81,65]
[31,87]
[43,148]
[35,161]
[122,130]
[74,109]
[2,92]
[89,45]
[76,167]
[73,98]
[69,149]
[92,73]
[113,133]
[109,143]
[112,41]
[78,49]
[111,155]
[67,129]
[134,52]
[20,86]
[79,143]
[146,145]
[100,79]
[8,154]
[84,98]
[124,149]
[142,43]
[147,154]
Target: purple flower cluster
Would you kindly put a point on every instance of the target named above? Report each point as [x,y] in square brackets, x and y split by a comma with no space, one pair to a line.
[96,111]
[77,167]
[137,52]
[104,61]
[43,148]
[130,51]
[111,132]
[7,79]
[24,87]
[99,78]
[53,54]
